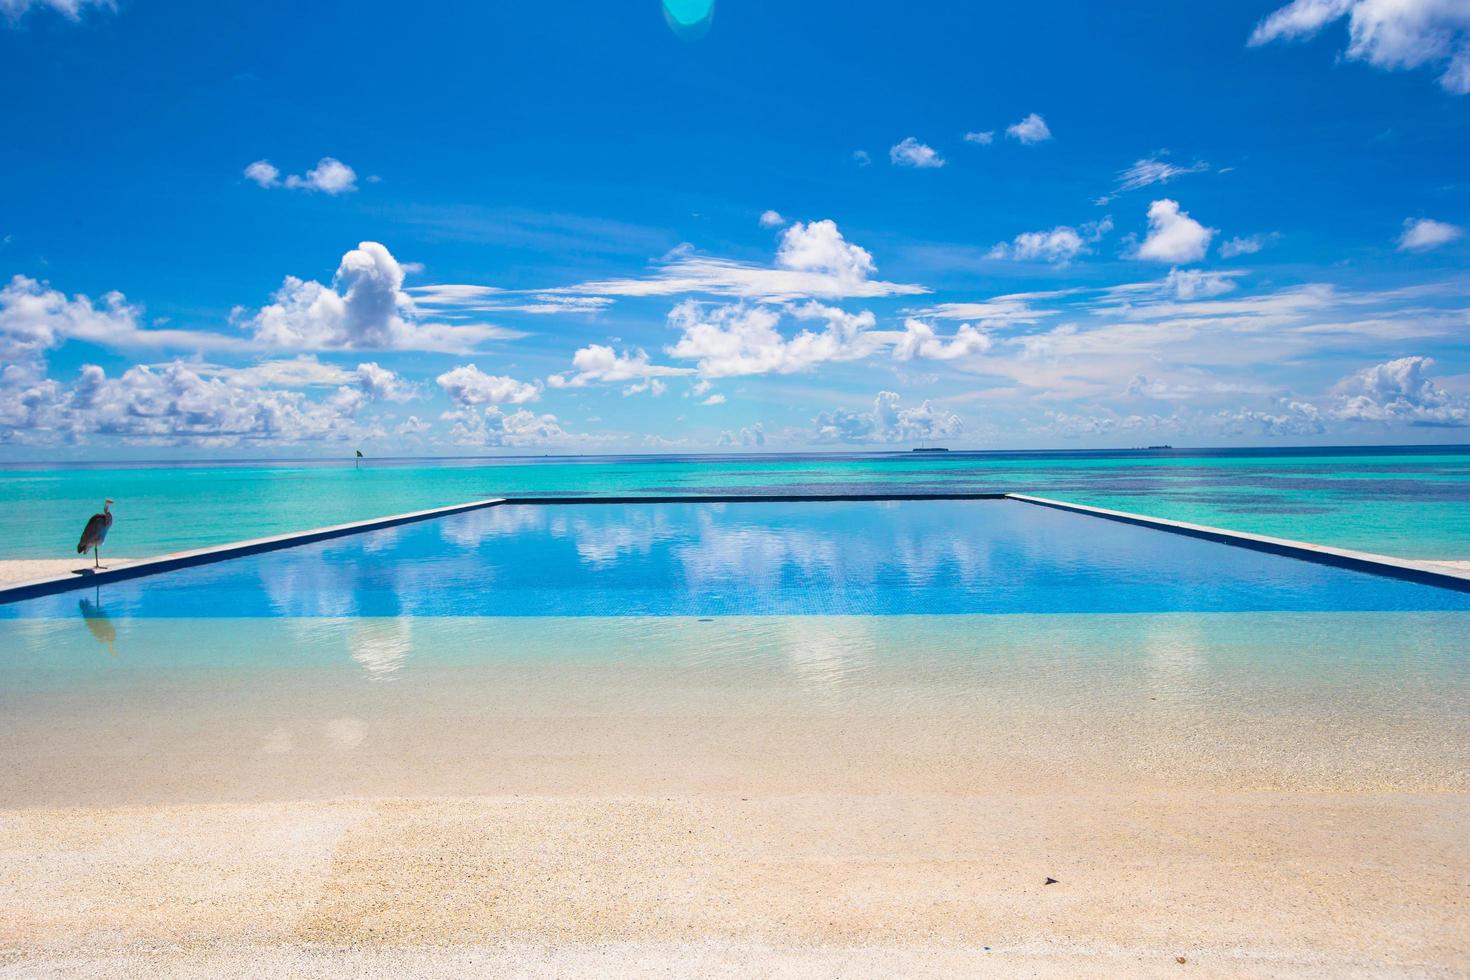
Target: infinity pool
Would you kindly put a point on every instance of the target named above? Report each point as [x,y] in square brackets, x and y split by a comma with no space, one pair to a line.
[750,559]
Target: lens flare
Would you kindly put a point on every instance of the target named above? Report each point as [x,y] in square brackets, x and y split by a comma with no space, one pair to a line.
[689,19]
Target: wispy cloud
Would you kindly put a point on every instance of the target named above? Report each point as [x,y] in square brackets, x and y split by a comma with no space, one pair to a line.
[1146,172]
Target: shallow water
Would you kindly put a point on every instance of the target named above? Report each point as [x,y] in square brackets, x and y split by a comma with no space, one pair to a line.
[189,710]
[1413,502]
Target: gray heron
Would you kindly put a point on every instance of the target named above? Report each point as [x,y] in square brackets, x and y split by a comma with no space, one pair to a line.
[95,533]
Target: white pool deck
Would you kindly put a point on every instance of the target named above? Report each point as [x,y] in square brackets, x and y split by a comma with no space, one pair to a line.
[23,579]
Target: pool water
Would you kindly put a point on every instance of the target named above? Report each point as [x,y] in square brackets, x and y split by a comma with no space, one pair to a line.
[749,559]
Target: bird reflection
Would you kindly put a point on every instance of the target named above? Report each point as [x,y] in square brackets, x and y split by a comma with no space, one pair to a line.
[97,622]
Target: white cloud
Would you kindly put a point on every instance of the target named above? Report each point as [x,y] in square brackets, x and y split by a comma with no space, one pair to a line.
[495,428]
[468,385]
[1173,236]
[34,317]
[457,298]
[329,176]
[715,399]
[772,219]
[861,158]
[14,10]
[812,260]
[173,404]
[1246,245]
[1425,233]
[912,153]
[738,340]
[819,247]
[920,341]
[1180,284]
[983,139]
[1058,246]
[748,437]
[600,363]
[1293,418]
[380,383]
[366,307]
[1146,172]
[1389,34]
[887,422]
[1014,308]
[263,173]
[1032,129]
[1398,391]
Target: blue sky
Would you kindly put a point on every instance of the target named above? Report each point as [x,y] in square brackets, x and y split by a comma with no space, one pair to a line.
[253,229]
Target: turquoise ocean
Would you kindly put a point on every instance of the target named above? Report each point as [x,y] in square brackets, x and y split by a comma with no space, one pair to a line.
[1405,501]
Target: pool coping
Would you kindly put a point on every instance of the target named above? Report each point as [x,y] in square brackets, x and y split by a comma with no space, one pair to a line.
[1321,554]
[1363,561]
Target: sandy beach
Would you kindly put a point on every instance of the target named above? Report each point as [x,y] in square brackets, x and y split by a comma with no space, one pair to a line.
[1248,884]
[803,797]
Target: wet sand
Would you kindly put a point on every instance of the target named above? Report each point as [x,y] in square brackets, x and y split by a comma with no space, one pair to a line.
[801,797]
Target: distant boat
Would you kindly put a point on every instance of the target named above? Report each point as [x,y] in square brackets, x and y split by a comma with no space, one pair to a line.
[930,449]
[1161,447]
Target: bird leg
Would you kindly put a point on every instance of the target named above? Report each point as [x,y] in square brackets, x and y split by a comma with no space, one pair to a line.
[96,557]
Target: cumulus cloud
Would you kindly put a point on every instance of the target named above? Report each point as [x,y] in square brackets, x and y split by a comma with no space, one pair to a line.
[13,10]
[492,427]
[919,340]
[1149,171]
[1424,234]
[600,363]
[982,138]
[749,437]
[365,307]
[819,247]
[1032,129]
[177,404]
[772,219]
[861,158]
[1173,236]
[888,422]
[1058,246]
[1398,391]
[912,153]
[738,340]
[1293,418]
[329,176]
[264,173]
[35,317]
[1390,34]
[468,385]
